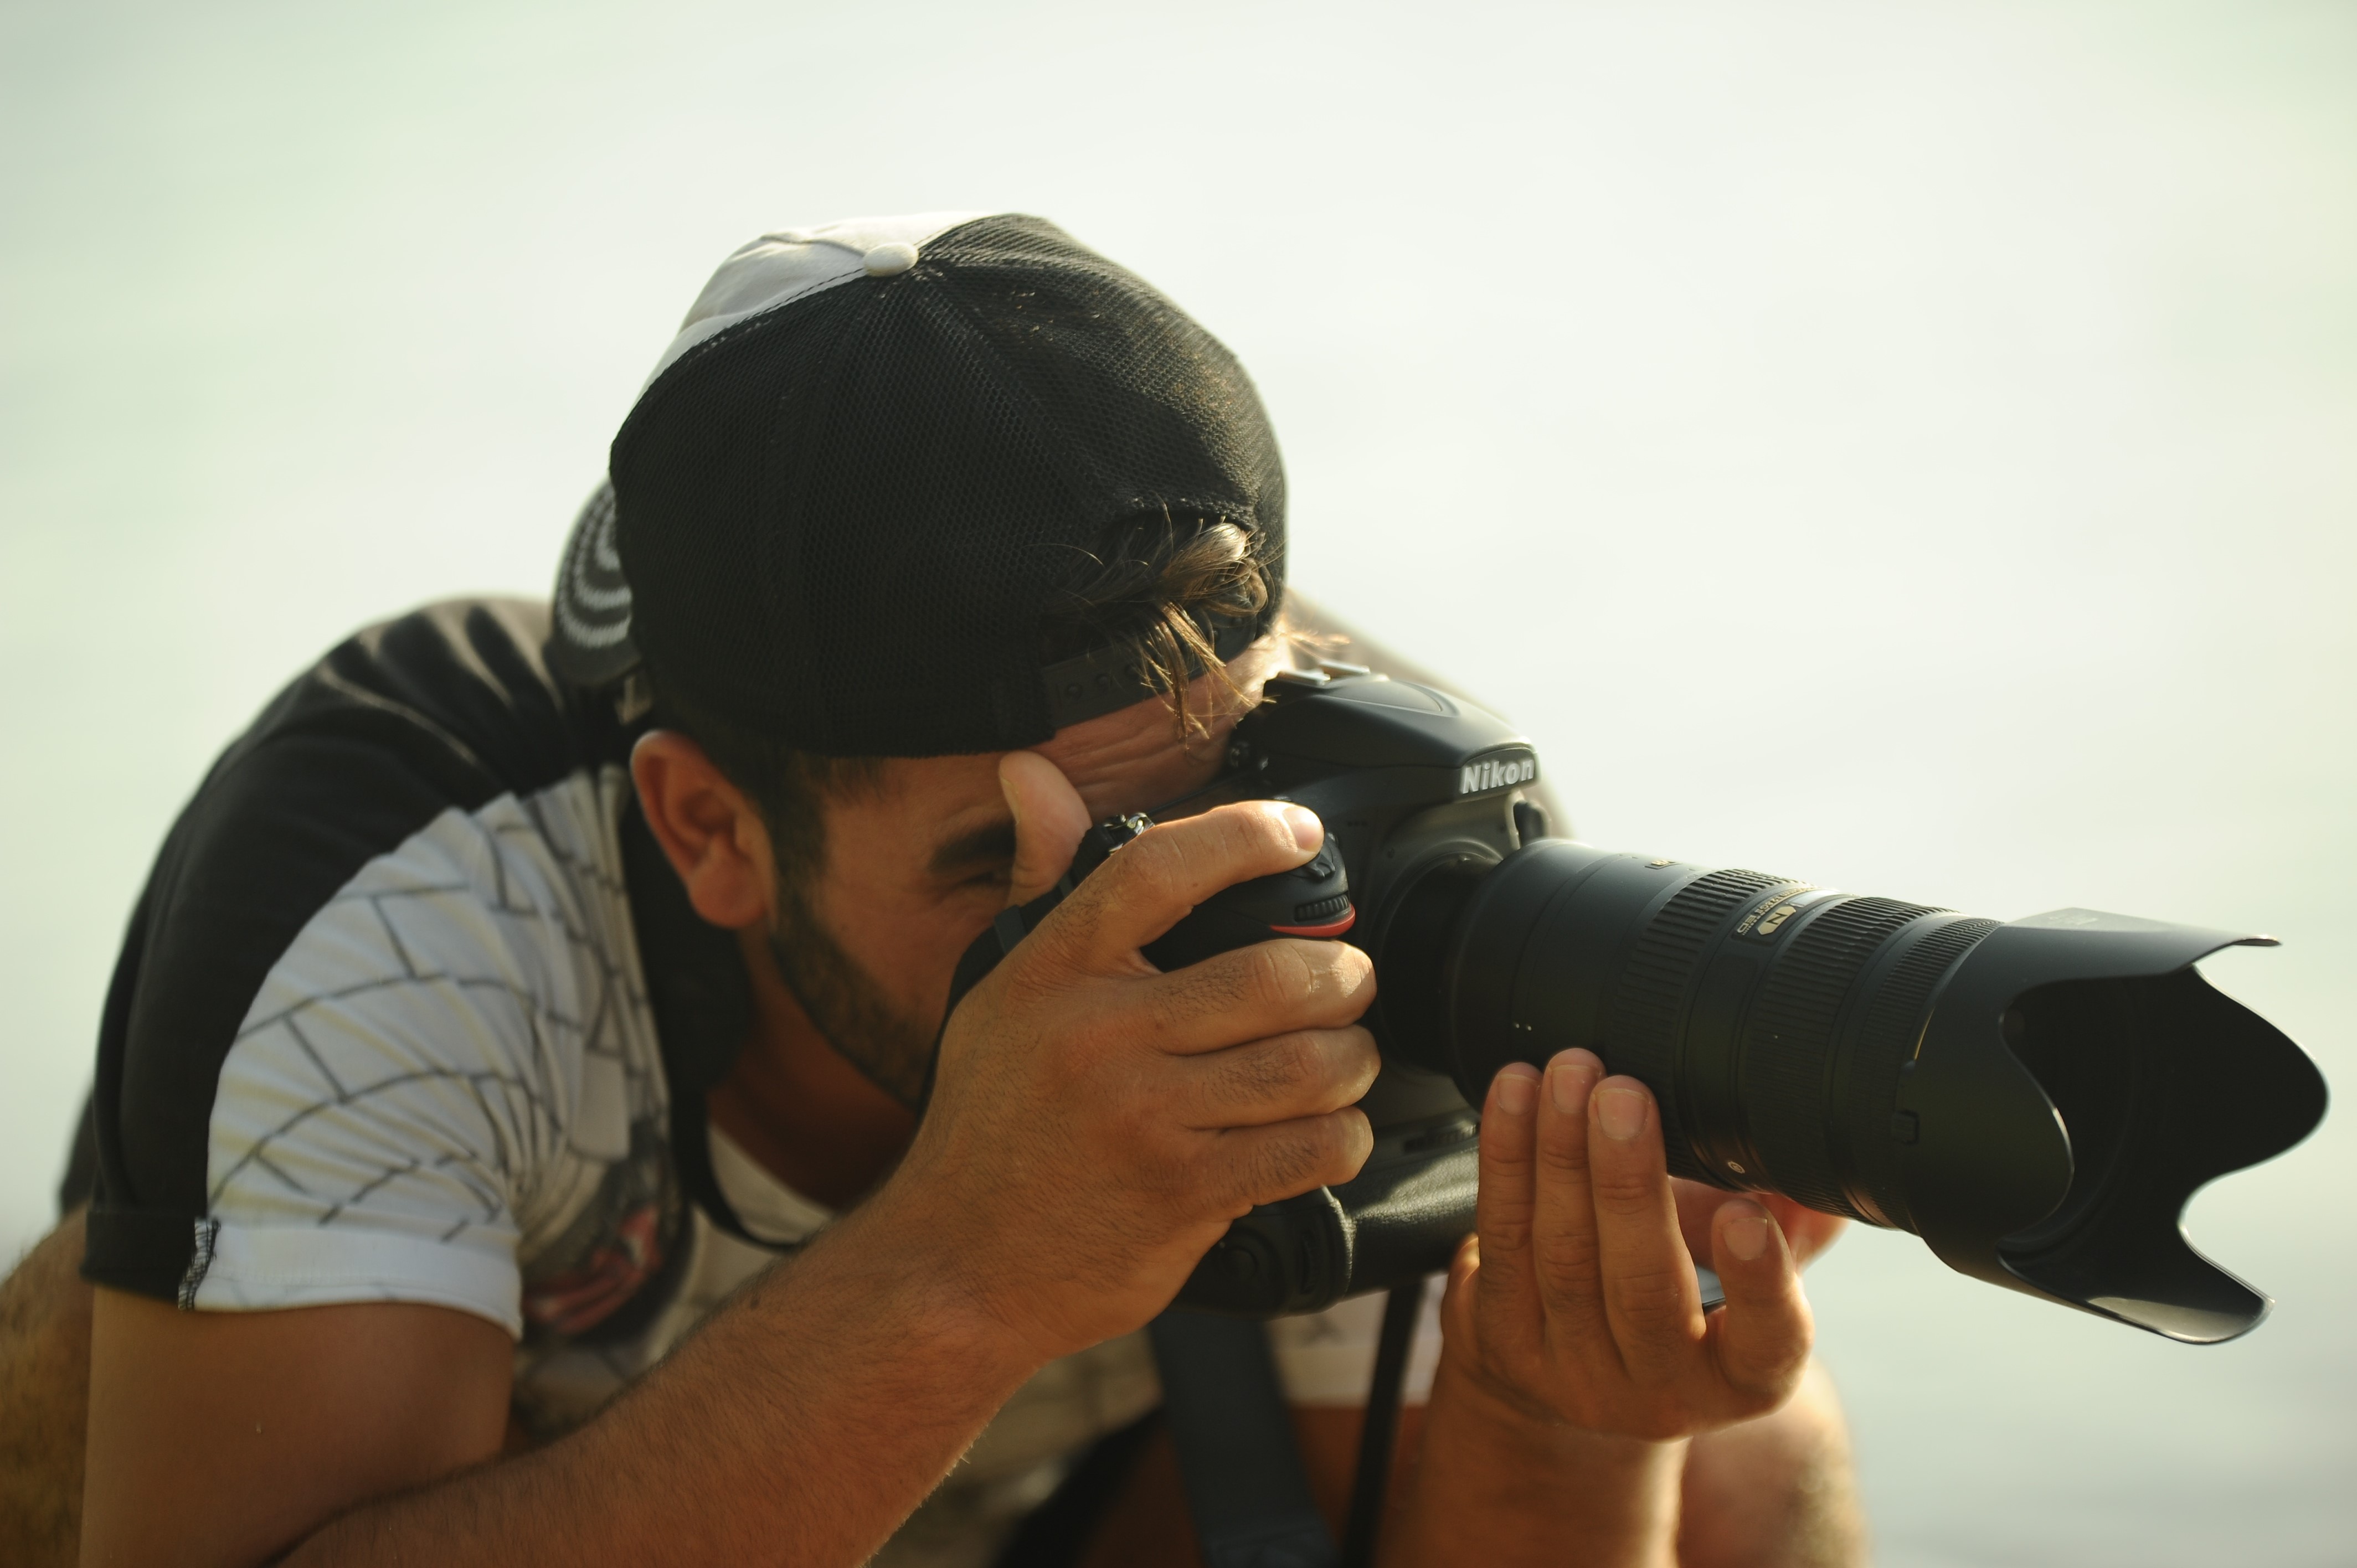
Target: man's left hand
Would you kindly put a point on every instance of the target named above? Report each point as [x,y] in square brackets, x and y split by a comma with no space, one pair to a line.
[1577,1303]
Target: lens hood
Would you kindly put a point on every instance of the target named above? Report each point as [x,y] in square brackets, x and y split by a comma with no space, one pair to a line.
[2076,1082]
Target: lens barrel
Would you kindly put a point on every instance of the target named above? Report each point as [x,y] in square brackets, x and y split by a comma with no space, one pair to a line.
[2035,1099]
[1771,1018]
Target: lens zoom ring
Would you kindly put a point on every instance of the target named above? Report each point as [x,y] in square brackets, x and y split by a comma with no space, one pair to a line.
[1886,1036]
[1643,1036]
[1789,1036]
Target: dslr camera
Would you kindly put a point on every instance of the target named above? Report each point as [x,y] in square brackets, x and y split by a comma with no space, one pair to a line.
[2036,1099]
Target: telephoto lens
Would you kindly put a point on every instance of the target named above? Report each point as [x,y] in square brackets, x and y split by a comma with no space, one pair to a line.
[2036,1099]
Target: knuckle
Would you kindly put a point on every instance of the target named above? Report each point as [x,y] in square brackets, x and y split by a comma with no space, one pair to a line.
[1149,863]
[1198,990]
[1625,1193]
[1569,1267]
[1506,1228]
[1564,1156]
[1305,1155]
[1274,976]
[1771,1375]
[1270,1069]
[1354,1141]
[1356,1060]
[1503,1162]
[1651,1298]
[1151,871]
[1256,982]
[1254,831]
[1335,975]
[1326,1069]
[1286,1163]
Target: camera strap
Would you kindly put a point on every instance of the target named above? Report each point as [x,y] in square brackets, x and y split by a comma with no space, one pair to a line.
[1246,1488]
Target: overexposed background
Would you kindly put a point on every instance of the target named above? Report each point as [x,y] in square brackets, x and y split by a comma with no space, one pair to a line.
[1911,446]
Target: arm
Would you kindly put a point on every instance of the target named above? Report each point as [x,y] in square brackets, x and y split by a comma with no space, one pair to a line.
[44,1385]
[1095,1125]
[222,1438]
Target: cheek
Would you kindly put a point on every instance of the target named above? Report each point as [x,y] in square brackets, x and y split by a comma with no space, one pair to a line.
[908,941]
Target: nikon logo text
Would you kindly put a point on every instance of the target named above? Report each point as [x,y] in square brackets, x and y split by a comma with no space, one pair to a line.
[1496,773]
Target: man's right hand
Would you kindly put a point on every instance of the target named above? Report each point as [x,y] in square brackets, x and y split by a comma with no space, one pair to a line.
[1096,1123]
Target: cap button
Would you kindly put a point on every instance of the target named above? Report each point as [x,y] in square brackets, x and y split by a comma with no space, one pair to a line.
[886,261]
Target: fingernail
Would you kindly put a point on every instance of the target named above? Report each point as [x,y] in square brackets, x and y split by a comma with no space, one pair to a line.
[1567,1081]
[1518,1089]
[1620,1112]
[1747,1237]
[1308,833]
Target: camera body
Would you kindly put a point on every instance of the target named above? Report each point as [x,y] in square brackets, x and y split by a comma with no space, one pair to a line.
[1411,785]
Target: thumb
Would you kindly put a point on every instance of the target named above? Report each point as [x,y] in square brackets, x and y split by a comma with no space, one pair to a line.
[1761,1338]
[1049,819]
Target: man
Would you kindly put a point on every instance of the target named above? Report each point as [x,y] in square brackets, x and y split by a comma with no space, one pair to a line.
[492,1019]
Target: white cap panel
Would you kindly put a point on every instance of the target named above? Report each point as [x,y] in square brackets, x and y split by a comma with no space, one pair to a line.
[779,268]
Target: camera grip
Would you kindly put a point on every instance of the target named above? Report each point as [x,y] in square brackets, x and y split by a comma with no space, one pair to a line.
[1311,900]
[1405,1213]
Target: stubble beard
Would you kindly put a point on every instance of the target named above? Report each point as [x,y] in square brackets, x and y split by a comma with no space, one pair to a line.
[891,1050]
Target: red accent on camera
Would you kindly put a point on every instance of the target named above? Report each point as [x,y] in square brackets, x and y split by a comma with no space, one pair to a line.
[1332,929]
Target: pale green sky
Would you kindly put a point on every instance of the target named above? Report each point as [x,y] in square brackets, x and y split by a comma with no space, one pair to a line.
[1913,446]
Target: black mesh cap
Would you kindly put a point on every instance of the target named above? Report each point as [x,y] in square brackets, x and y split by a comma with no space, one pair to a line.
[846,503]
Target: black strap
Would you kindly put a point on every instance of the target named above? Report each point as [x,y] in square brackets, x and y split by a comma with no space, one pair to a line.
[702,1002]
[1401,1307]
[1105,679]
[1246,1489]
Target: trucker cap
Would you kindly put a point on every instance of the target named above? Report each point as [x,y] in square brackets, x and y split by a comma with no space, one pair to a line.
[862,477]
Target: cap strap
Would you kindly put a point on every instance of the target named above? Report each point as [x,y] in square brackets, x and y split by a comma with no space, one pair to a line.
[1108,680]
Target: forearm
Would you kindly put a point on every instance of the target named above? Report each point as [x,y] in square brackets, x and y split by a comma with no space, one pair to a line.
[805,1420]
[1492,1483]
[1777,1492]
[43,1390]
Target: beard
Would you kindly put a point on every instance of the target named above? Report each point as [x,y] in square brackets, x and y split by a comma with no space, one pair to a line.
[892,1050]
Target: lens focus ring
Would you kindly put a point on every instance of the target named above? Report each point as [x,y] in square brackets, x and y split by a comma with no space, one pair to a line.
[1787,1043]
[1643,1034]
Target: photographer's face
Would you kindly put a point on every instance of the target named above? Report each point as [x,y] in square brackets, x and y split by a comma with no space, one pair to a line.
[916,868]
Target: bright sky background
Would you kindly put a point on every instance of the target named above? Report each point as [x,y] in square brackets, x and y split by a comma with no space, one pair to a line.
[1908,445]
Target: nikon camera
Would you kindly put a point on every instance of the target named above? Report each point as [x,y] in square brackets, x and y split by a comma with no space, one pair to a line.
[2036,1099]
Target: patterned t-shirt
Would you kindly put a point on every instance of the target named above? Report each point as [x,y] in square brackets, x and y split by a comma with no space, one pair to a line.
[412,1009]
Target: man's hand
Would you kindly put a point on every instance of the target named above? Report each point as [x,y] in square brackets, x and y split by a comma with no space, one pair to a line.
[1576,1355]
[1577,1302]
[1095,1123]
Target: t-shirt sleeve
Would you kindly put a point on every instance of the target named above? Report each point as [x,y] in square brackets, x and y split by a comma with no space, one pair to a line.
[377,1028]
[398,1092]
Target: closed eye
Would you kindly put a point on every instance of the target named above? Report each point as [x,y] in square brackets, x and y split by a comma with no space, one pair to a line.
[985,854]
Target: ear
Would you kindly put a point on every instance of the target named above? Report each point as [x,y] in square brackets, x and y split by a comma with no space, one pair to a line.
[714,837]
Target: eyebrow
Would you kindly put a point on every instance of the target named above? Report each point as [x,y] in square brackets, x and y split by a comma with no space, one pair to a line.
[989,844]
